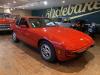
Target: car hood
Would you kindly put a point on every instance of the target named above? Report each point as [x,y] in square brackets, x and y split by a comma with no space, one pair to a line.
[5,21]
[69,38]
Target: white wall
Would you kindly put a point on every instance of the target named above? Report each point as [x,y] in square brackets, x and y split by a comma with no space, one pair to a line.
[1,10]
[17,12]
[22,12]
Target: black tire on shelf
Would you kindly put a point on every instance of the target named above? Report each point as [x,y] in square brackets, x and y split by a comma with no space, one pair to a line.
[47,51]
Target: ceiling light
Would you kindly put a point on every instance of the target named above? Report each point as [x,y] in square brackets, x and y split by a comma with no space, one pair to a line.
[7,10]
[8,3]
[1,6]
[32,4]
[14,8]
[63,1]
[11,9]
[14,1]
[45,2]
[26,6]
[5,6]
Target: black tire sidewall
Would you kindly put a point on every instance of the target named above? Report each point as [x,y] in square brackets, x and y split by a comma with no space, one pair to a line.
[16,40]
[53,53]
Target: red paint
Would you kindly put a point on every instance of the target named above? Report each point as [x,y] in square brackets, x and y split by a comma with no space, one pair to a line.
[67,41]
[5,23]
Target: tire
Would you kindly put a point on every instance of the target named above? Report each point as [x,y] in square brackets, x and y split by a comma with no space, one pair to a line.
[14,38]
[47,51]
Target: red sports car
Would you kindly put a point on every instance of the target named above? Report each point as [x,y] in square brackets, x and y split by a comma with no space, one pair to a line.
[55,42]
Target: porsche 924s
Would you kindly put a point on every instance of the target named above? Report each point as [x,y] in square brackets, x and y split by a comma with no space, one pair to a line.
[54,42]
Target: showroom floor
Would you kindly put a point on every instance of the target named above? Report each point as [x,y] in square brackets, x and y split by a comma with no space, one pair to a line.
[20,59]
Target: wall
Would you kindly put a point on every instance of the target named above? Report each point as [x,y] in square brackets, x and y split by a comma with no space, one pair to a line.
[22,12]
[1,10]
[18,12]
[86,11]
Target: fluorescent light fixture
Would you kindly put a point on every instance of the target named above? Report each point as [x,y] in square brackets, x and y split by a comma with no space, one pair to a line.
[63,1]
[45,3]
[8,3]
[14,1]
[1,6]
[5,6]
[11,9]
[25,6]
[14,8]
[32,4]
[7,10]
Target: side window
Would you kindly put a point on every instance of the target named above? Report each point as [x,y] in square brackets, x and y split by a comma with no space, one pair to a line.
[35,22]
[17,21]
[23,22]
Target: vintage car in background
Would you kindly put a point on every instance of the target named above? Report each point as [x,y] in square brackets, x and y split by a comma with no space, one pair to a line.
[53,41]
[62,21]
[5,21]
[84,26]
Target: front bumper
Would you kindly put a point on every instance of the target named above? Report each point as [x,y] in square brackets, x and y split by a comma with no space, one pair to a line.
[63,55]
[5,27]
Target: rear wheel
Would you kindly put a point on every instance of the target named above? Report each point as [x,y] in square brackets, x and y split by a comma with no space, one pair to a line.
[47,51]
[14,38]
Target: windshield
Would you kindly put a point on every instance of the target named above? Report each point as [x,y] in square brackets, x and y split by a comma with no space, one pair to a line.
[41,22]
[64,22]
[1,16]
[5,16]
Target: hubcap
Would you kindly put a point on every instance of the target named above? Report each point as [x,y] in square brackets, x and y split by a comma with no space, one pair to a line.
[14,36]
[46,51]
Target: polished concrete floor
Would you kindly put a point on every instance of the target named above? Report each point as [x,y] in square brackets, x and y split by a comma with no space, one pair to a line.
[20,59]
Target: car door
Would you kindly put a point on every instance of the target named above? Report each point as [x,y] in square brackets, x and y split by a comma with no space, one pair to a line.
[29,33]
[26,34]
[22,28]
[18,29]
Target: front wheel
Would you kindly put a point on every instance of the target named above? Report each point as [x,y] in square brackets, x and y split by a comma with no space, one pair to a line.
[14,38]
[47,51]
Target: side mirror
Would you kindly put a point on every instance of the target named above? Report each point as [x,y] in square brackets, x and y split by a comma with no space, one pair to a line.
[23,26]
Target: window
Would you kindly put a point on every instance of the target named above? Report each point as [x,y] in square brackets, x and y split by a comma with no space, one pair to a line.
[1,16]
[17,21]
[23,22]
[41,22]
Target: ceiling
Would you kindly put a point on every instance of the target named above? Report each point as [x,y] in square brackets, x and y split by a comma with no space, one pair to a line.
[38,4]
